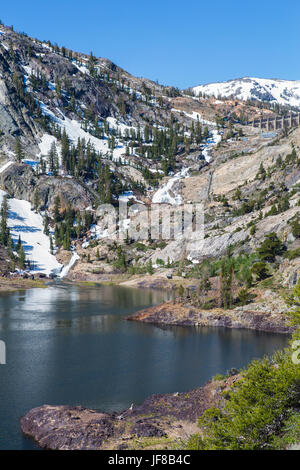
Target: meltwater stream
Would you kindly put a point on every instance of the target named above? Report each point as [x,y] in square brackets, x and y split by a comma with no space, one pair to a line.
[72,345]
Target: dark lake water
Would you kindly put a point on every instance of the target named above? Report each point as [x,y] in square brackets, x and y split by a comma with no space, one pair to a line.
[72,345]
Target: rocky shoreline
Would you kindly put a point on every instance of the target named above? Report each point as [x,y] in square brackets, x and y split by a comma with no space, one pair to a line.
[18,283]
[163,421]
[160,422]
[180,314]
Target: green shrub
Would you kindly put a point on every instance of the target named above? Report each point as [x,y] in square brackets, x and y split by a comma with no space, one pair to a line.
[218,377]
[261,411]
[256,409]
[290,433]
[140,246]
[260,270]
[270,247]
[244,296]
[292,254]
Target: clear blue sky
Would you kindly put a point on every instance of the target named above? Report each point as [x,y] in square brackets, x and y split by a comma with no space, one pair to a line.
[181,43]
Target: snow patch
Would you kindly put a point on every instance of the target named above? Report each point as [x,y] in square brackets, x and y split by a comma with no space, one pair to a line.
[74,132]
[5,166]
[29,225]
[196,116]
[283,92]
[45,144]
[166,194]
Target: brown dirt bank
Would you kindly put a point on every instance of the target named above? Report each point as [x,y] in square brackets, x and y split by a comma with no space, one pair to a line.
[171,313]
[161,421]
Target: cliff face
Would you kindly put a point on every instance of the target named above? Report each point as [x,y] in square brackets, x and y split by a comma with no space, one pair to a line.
[15,118]
[20,182]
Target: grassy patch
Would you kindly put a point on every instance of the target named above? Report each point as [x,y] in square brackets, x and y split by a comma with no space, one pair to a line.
[88,284]
[151,442]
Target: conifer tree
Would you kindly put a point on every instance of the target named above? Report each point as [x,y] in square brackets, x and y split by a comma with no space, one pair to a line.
[46,224]
[36,200]
[65,150]
[21,254]
[53,159]
[56,209]
[19,244]
[4,229]
[51,245]
[226,279]
[150,269]
[18,150]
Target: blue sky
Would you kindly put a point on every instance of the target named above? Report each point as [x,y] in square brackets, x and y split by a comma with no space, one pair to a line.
[180,43]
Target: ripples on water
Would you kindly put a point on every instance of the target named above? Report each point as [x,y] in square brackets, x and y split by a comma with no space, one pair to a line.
[72,345]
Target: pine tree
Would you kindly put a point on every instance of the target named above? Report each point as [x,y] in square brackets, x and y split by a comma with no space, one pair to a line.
[53,159]
[56,235]
[36,200]
[270,248]
[150,269]
[91,64]
[226,279]
[19,244]
[51,245]
[4,229]
[56,209]
[22,257]
[65,150]
[46,224]
[261,172]
[66,240]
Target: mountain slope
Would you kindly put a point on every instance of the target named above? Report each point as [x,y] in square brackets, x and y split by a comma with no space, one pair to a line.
[77,131]
[282,92]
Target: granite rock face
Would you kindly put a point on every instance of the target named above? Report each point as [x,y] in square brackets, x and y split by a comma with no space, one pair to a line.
[159,418]
[64,427]
[20,182]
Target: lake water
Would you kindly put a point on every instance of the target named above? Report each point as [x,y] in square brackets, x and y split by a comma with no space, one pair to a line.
[72,345]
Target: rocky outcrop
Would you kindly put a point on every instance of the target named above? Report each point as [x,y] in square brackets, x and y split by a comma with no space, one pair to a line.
[160,417]
[240,317]
[63,427]
[15,118]
[19,181]
[70,192]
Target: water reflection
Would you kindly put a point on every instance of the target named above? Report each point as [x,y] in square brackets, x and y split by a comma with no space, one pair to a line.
[72,307]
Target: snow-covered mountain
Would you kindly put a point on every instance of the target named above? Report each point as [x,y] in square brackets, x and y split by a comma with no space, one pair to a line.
[283,92]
